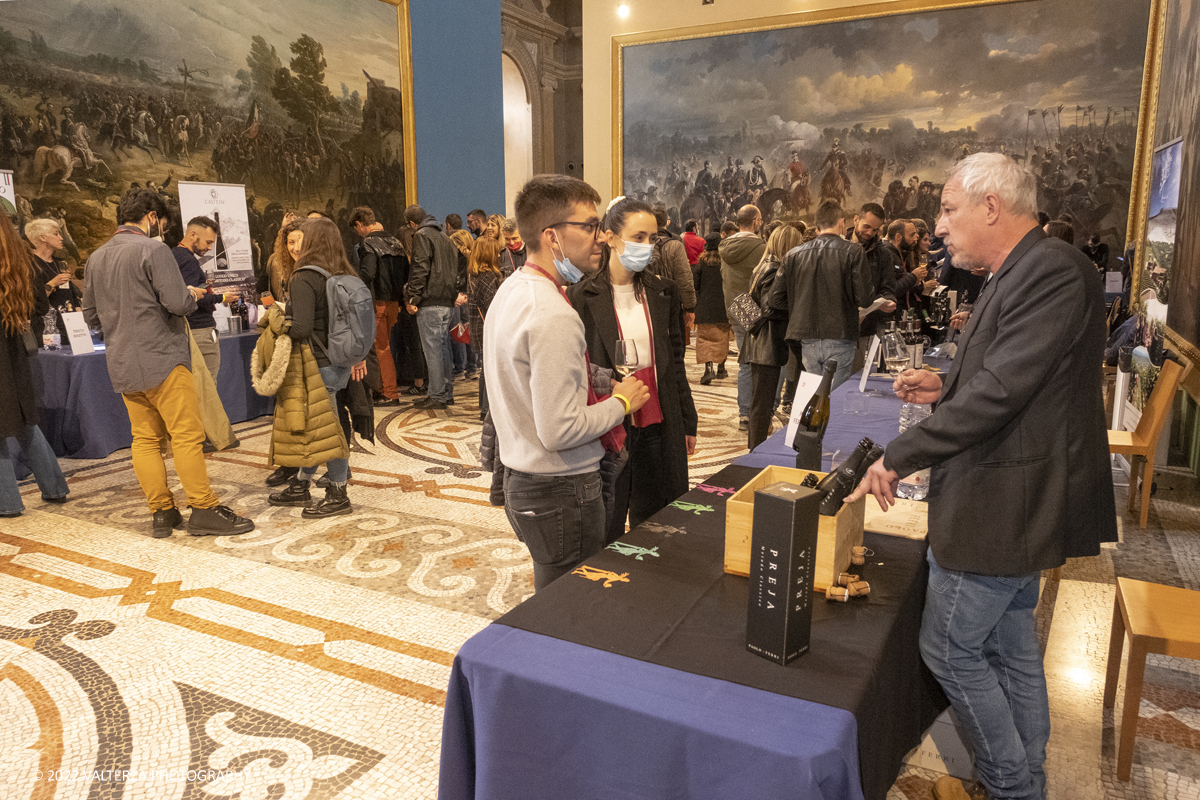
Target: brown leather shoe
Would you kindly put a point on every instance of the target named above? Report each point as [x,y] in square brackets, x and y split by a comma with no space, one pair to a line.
[948,788]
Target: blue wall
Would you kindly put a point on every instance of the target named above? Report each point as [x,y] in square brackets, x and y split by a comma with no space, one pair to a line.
[458,103]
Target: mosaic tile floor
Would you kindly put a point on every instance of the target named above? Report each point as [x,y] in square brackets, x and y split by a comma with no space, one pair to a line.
[309,659]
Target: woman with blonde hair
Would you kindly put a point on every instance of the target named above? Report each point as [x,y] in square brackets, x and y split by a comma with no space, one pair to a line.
[45,236]
[494,225]
[765,351]
[19,302]
[483,279]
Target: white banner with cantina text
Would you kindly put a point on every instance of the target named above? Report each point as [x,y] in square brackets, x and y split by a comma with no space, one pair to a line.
[229,265]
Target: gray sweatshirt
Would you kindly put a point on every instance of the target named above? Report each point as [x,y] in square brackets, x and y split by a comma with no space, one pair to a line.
[134,292]
[533,356]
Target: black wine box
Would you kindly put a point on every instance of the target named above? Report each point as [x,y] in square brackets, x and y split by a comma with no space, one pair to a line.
[782,559]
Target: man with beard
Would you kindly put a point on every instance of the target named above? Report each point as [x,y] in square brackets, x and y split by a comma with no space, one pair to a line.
[903,238]
[134,293]
[757,182]
[476,222]
[881,267]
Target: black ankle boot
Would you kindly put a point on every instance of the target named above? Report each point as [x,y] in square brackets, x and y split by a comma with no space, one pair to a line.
[296,494]
[707,378]
[721,373]
[335,503]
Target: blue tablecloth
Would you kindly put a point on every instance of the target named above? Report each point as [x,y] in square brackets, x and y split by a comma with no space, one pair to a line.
[82,417]
[851,416]
[580,723]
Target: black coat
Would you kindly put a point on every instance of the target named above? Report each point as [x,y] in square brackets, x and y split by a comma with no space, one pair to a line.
[710,296]
[18,406]
[1018,444]
[765,344]
[593,301]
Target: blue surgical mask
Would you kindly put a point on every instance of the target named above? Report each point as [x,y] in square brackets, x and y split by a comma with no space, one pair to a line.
[569,272]
[636,256]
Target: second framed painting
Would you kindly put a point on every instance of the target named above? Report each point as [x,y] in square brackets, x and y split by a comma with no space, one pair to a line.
[872,104]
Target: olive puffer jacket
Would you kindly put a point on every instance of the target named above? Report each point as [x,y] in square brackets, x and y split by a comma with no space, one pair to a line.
[306,431]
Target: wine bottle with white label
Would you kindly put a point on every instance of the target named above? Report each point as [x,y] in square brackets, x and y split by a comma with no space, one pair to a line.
[220,256]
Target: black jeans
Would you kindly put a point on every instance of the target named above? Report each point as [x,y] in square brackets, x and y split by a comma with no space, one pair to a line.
[764,391]
[560,518]
[640,489]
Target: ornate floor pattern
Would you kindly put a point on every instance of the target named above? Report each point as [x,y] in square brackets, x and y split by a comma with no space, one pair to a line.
[309,659]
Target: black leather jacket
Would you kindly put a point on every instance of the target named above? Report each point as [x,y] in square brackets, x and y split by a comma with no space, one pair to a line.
[821,286]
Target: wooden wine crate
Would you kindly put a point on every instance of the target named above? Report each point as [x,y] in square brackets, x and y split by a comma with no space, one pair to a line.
[835,535]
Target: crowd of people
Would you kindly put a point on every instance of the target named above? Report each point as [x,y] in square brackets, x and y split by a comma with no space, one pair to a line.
[580,319]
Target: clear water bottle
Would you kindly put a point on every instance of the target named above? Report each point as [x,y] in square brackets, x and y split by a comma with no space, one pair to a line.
[915,486]
[51,338]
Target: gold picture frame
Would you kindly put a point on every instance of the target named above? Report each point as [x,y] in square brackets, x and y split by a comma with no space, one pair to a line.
[1149,96]
[404,32]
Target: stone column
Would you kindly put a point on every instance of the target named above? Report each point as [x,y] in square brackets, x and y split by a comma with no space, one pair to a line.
[545,159]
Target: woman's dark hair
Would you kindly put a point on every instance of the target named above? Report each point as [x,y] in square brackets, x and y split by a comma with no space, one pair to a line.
[1058,229]
[712,241]
[323,247]
[614,221]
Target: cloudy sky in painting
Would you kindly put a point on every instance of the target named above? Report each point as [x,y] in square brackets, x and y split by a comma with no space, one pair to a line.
[356,34]
[953,67]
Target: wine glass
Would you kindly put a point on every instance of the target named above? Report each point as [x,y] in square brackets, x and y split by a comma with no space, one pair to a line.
[625,357]
[895,354]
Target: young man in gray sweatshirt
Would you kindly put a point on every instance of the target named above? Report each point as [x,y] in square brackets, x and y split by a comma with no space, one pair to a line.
[548,423]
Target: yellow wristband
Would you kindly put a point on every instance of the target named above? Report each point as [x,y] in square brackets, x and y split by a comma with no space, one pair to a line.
[624,402]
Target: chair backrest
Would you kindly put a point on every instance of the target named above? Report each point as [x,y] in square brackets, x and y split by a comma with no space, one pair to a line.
[1154,414]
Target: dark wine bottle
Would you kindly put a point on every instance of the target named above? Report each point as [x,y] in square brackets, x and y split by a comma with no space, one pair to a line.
[815,416]
[220,256]
[837,495]
[871,457]
[812,423]
[853,461]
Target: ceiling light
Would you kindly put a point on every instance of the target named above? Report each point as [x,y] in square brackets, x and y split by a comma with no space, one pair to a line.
[622,11]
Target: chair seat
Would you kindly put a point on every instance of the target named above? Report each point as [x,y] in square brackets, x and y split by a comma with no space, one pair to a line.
[1126,443]
[1165,613]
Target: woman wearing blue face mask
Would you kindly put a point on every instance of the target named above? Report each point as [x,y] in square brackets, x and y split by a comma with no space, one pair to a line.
[624,301]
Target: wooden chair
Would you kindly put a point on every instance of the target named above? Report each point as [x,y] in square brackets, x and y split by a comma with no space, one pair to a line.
[1158,619]
[1141,443]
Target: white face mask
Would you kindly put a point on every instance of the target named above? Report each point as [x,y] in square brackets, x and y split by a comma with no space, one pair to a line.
[636,256]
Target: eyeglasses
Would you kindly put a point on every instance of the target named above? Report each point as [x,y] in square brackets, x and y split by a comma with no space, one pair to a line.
[592,227]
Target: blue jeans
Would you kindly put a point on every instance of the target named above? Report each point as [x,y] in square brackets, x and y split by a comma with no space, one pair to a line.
[979,638]
[815,352]
[743,378]
[37,453]
[433,323]
[338,469]
[560,518]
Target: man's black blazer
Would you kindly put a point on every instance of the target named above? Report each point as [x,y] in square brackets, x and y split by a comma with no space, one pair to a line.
[1018,443]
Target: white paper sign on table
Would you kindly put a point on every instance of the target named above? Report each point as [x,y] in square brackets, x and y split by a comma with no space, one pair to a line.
[806,387]
[1113,282]
[868,365]
[78,333]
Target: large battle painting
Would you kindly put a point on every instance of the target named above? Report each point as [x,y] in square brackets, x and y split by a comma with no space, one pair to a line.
[298,100]
[877,109]
[1179,117]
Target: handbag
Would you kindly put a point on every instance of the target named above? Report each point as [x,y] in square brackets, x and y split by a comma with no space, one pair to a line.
[461,333]
[31,343]
[745,311]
